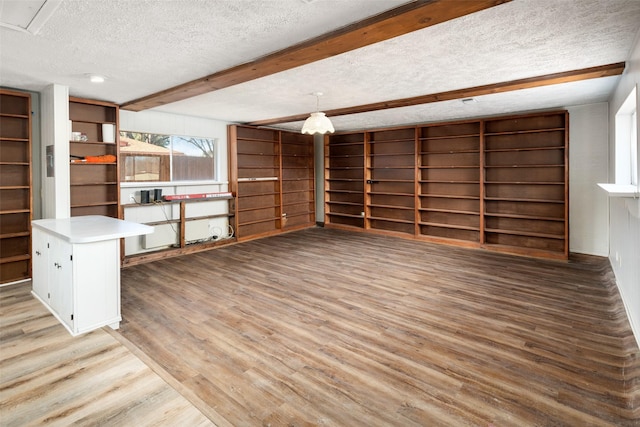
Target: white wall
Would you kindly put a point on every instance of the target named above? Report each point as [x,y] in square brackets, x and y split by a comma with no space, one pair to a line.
[56,193]
[173,124]
[624,226]
[588,165]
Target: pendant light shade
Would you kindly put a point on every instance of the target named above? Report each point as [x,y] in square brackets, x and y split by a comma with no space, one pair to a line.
[317,122]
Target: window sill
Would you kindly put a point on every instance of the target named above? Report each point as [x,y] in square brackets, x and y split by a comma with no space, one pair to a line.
[157,184]
[620,190]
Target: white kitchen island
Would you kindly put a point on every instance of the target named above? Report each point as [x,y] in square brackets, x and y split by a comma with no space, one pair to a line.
[76,269]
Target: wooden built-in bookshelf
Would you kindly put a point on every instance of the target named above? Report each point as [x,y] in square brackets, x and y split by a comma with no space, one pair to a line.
[526,183]
[272,177]
[95,188]
[449,181]
[496,183]
[390,184]
[298,181]
[15,186]
[344,179]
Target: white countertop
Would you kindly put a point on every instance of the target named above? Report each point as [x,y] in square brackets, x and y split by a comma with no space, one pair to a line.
[91,228]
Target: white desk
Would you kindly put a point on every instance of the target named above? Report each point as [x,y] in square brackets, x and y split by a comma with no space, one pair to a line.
[76,269]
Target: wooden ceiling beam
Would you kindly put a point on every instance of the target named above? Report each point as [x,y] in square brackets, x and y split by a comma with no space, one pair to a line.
[546,80]
[410,17]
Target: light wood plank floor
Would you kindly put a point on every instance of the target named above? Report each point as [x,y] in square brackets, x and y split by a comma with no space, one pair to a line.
[326,327]
[47,377]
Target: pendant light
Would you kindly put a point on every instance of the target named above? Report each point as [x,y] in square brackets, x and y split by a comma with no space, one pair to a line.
[317,122]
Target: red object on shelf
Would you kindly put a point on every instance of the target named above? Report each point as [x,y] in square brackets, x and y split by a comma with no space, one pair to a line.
[197,196]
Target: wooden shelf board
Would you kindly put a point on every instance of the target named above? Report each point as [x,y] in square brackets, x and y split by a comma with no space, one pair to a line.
[257,194]
[339,144]
[259,221]
[93,142]
[391,154]
[332,202]
[524,233]
[343,168]
[405,208]
[451,167]
[244,139]
[521,166]
[80,163]
[304,213]
[449,152]
[257,208]
[309,190]
[346,179]
[15,116]
[519,216]
[15,258]
[86,205]
[520,132]
[274,167]
[515,199]
[16,234]
[345,215]
[508,150]
[4,138]
[378,180]
[442,181]
[345,191]
[94,122]
[454,226]
[430,138]
[450,196]
[391,194]
[452,211]
[14,187]
[389,141]
[258,154]
[83,184]
[399,221]
[524,182]
[15,163]
[14,211]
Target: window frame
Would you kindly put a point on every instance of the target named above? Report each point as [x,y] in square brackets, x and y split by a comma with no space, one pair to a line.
[162,174]
[626,141]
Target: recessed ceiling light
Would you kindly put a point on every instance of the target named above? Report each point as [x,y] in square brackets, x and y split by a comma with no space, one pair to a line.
[96,78]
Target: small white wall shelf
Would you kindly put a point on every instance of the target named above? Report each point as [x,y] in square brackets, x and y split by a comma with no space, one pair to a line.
[620,190]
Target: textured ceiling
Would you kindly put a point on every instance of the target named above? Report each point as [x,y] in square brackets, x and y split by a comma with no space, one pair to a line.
[145,46]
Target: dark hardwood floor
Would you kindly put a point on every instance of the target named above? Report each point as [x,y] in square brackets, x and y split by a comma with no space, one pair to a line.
[327,327]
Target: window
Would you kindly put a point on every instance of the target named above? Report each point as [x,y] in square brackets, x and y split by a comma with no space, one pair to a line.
[626,134]
[149,157]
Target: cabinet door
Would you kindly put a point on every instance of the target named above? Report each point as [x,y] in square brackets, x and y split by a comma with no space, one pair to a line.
[61,284]
[40,259]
